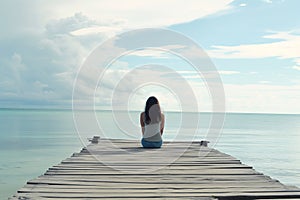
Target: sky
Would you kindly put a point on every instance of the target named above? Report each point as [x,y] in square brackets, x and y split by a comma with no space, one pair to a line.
[254,45]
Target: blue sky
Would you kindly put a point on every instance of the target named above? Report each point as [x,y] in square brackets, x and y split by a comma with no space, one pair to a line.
[248,24]
[254,45]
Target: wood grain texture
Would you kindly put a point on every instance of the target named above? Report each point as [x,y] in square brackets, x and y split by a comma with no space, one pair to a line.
[120,169]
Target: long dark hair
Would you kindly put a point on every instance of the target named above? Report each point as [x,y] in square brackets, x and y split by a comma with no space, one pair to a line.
[152,110]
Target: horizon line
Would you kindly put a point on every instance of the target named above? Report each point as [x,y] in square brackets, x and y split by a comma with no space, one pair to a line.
[170,111]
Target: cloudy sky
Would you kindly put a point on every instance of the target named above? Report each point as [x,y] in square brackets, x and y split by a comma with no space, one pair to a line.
[253,44]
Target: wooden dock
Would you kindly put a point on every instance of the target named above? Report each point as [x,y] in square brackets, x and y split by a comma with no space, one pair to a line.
[121,169]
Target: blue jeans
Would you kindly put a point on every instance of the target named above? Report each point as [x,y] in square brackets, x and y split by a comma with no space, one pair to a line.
[147,144]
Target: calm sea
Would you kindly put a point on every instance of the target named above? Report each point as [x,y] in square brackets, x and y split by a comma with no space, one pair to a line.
[31,141]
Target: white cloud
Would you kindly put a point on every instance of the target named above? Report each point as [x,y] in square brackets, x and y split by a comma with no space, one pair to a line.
[196,76]
[80,24]
[69,24]
[223,72]
[286,48]
[134,85]
[109,31]
[150,53]
[268,1]
[264,82]
[243,4]
[168,100]
[62,33]
[262,98]
[11,76]
[296,67]
[135,13]
[162,52]
[52,60]
[199,77]
[131,14]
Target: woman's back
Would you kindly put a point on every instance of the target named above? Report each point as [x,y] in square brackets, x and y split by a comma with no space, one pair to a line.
[152,132]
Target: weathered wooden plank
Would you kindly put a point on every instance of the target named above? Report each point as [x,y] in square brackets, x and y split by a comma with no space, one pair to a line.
[155,179]
[159,193]
[161,171]
[111,185]
[177,167]
[150,190]
[148,163]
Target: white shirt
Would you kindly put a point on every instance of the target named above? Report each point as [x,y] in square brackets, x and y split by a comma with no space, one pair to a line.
[152,132]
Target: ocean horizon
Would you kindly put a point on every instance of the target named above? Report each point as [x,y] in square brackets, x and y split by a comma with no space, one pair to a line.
[32,140]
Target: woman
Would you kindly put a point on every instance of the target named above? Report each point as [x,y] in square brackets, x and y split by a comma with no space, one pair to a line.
[152,123]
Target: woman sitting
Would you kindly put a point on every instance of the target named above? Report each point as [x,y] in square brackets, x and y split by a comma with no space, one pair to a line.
[152,123]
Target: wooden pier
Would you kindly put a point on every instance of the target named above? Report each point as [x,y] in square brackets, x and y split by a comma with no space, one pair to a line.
[121,169]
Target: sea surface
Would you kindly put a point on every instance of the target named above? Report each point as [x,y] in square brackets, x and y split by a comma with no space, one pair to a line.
[33,140]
